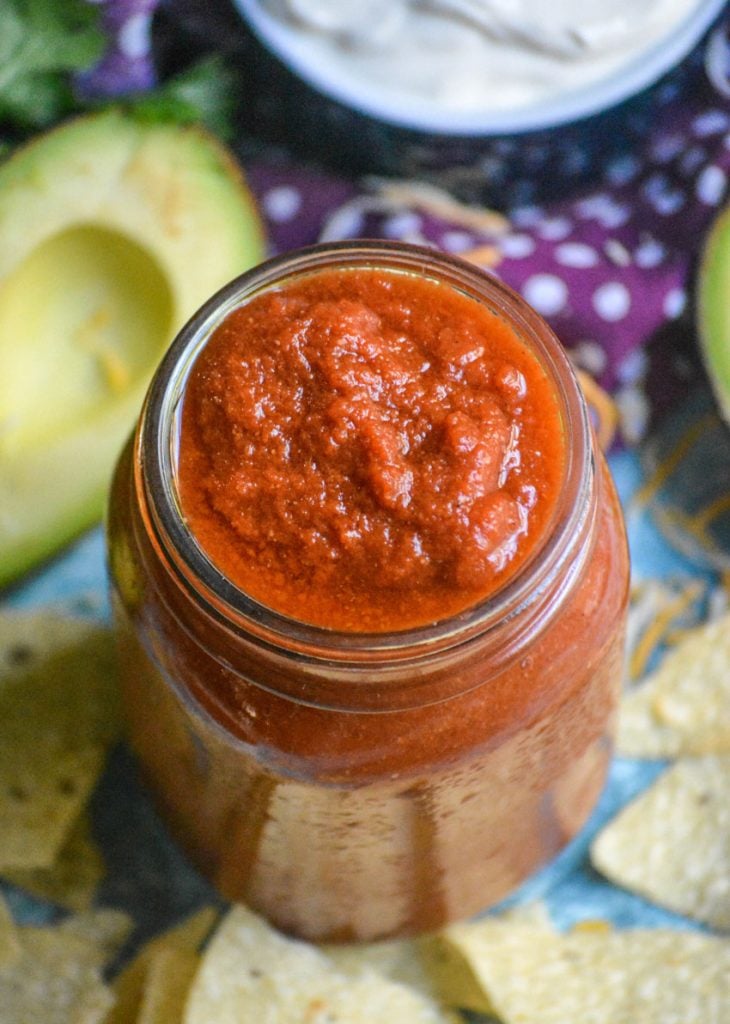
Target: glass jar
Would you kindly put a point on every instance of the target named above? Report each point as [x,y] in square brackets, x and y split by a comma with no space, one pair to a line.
[354,786]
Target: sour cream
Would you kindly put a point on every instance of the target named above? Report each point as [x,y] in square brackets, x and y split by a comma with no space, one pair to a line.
[466,55]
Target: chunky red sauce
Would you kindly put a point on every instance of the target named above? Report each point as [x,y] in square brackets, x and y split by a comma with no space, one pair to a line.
[367,450]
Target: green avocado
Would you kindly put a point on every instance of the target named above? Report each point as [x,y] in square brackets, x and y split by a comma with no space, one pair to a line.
[112,233]
[713,309]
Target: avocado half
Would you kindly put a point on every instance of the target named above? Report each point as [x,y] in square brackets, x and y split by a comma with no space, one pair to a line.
[112,233]
[713,309]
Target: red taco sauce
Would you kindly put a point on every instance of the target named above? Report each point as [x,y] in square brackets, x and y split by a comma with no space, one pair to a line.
[369,577]
[368,451]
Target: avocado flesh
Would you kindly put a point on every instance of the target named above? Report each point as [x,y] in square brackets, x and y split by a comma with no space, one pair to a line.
[714,309]
[112,233]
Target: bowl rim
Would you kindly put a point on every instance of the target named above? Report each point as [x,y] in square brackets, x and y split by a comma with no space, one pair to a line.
[628,80]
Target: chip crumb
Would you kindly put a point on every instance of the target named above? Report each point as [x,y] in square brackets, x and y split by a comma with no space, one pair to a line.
[591,925]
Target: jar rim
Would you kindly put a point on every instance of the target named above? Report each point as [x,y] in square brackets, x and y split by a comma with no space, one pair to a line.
[156,464]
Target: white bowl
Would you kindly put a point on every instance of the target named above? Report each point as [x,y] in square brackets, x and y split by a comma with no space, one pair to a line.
[504,158]
[631,78]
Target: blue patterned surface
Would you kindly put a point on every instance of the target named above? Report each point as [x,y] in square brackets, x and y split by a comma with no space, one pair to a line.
[149,876]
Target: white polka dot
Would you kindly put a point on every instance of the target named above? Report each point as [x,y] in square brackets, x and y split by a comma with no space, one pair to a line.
[554,229]
[134,38]
[615,217]
[711,122]
[668,203]
[576,254]
[654,185]
[592,204]
[650,253]
[604,209]
[346,221]
[667,147]
[526,216]
[675,302]
[403,225]
[457,241]
[590,356]
[692,159]
[623,170]
[547,293]
[516,247]
[612,301]
[633,367]
[662,196]
[282,203]
[633,409]
[711,184]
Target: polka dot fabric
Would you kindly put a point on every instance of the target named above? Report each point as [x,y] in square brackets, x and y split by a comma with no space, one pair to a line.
[126,67]
[609,268]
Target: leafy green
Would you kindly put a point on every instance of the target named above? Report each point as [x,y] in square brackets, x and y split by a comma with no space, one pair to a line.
[41,41]
[203,93]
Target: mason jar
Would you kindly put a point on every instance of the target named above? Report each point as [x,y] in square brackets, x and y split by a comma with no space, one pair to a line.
[352,785]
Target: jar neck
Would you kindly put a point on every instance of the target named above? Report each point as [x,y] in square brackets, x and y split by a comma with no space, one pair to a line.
[503,622]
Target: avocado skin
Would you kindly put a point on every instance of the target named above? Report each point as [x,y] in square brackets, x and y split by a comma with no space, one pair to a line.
[167,205]
[713,309]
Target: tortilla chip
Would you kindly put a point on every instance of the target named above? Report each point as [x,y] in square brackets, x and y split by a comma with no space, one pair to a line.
[684,707]
[528,976]
[190,934]
[640,733]
[251,972]
[130,985]
[452,969]
[40,799]
[92,1006]
[399,960]
[9,941]
[56,980]
[169,976]
[73,880]
[672,844]
[104,930]
[58,714]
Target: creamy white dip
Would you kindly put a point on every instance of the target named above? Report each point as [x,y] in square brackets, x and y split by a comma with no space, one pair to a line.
[470,55]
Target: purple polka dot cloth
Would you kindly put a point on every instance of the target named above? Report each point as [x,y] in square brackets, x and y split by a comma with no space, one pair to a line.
[608,268]
[126,67]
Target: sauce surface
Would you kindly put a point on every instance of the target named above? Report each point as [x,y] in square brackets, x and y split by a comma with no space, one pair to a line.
[367,450]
